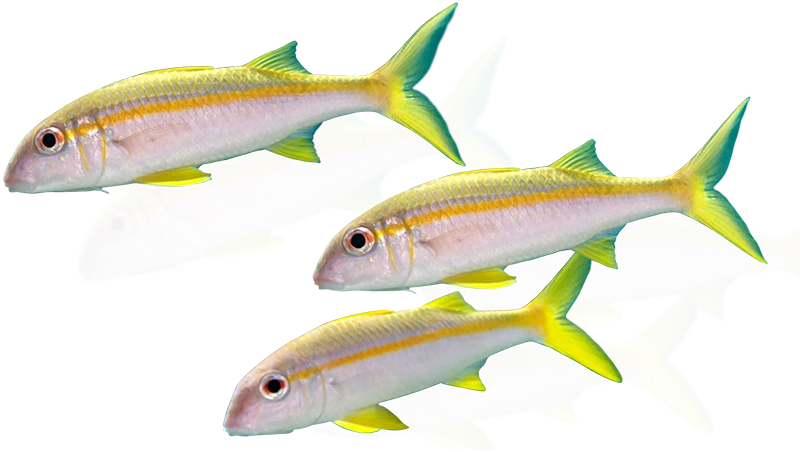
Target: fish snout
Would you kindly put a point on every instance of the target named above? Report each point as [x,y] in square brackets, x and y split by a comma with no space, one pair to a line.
[327,278]
[16,182]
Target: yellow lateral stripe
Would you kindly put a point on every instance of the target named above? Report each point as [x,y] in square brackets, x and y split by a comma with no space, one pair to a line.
[442,333]
[666,186]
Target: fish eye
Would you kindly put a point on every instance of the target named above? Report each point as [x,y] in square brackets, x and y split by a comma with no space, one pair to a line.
[119,225]
[358,241]
[274,386]
[49,140]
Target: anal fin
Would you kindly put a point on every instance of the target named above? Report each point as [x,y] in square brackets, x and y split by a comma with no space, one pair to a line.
[601,248]
[298,146]
[459,435]
[490,278]
[175,178]
[370,420]
[469,378]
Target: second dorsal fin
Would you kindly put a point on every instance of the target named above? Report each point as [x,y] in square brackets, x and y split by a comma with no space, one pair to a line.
[451,302]
[583,158]
[280,60]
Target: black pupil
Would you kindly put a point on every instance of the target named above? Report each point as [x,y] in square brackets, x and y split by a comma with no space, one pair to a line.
[274,386]
[48,140]
[117,224]
[358,240]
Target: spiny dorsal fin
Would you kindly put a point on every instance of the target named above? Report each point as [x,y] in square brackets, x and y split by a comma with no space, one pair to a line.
[179,69]
[370,420]
[583,158]
[451,302]
[366,314]
[298,146]
[490,278]
[469,378]
[175,178]
[280,60]
[487,170]
[601,248]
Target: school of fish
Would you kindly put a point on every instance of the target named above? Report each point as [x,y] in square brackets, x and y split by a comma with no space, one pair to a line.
[217,161]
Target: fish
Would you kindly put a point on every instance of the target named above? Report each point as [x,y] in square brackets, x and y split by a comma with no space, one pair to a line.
[466,228]
[250,199]
[343,370]
[529,377]
[159,127]
[663,255]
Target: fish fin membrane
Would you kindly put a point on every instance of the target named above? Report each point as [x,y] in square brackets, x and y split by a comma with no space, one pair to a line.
[179,69]
[601,248]
[584,159]
[466,104]
[469,378]
[491,278]
[560,410]
[175,178]
[370,420]
[366,314]
[703,172]
[451,302]
[459,435]
[403,71]
[710,298]
[598,312]
[548,314]
[484,171]
[298,146]
[280,60]
[646,355]
[361,200]
[248,246]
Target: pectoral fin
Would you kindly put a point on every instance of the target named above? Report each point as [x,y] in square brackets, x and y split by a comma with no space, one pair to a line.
[459,435]
[370,420]
[175,178]
[601,248]
[469,378]
[298,146]
[248,246]
[492,278]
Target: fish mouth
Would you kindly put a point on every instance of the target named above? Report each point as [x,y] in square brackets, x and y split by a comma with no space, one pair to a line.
[336,282]
[18,184]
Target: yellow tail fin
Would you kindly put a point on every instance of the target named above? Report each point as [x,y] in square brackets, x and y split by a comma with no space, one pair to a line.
[703,172]
[644,359]
[548,312]
[466,104]
[403,71]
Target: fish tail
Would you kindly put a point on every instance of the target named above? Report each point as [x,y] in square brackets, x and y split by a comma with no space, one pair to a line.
[644,361]
[701,175]
[466,104]
[548,314]
[403,71]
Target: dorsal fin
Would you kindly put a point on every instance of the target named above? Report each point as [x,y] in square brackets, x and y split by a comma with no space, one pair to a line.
[180,69]
[367,314]
[280,60]
[583,158]
[487,170]
[451,302]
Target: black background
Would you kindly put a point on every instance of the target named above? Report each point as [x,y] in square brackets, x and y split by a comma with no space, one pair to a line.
[178,342]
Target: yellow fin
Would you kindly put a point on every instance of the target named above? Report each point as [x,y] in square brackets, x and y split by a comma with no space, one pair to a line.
[459,435]
[248,246]
[363,199]
[298,146]
[370,420]
[367,314]
[179,69]
[469,378]
[647,356]
[584,159]
[451,302]
[487,170]
[601,248]
[280,60]
[594,312]
[560,410]
[710,299]
[492,278]
[175,178]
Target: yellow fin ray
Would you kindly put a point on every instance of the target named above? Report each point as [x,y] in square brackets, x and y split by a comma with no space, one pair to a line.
[180,69]
[459,435]
[451,302]
[367,314]
[283,59]
[370,420]
[175,178]
[487,170]
[584,159]
[491,278]
[469,378]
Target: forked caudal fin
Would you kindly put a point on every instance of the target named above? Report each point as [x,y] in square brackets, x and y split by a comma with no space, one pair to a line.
[548,313]
[644,358]
[466,104]
[403,71]
[703,172]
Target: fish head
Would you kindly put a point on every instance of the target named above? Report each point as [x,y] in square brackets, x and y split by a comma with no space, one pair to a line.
[366,255]
[273,399]
[57,155]
[133,235]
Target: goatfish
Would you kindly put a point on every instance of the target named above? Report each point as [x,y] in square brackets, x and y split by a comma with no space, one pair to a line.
[157,128]
[664,255]
[147,229]
[533,378]
[464,229]
[341,371]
